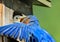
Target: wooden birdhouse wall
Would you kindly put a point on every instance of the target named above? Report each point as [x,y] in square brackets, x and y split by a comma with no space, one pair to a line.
[5,18]
[7,15]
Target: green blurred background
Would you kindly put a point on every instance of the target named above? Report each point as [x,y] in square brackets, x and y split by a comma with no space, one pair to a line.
[49,18]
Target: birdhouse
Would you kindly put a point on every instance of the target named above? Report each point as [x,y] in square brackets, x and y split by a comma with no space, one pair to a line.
[7,7]
[22,6]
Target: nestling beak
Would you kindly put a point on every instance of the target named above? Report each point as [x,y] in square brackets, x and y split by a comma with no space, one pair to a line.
[21,18]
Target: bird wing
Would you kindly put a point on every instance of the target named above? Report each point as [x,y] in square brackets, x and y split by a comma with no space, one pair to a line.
[11,30]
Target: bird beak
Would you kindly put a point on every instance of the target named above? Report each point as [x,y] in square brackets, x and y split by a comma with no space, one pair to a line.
[24,16]
[21,18]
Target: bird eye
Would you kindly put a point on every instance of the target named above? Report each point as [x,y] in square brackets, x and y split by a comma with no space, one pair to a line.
[16,17]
